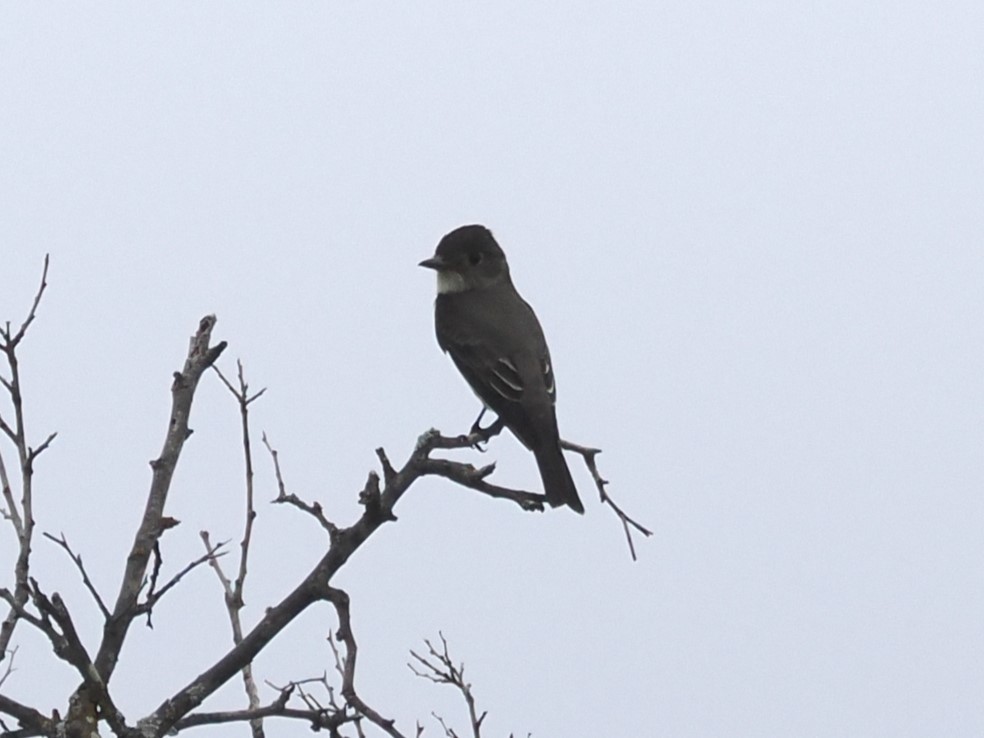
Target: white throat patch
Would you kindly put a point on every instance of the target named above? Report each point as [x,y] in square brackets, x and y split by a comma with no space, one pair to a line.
[450,281]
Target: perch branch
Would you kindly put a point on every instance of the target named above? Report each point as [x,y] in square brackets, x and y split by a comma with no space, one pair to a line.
[378,501]
[468,476]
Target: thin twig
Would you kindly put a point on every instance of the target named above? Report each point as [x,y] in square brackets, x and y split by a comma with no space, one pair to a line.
[77,559]
[8,496]
[10,342]
[467,475]
[155,573]
[34,453]
[313,509]
[216,566]
[589,454]
[10,666]
[319,718]
[440,669]
[234,592]
[7,430]
[153,598]
[337,654]
[448,731]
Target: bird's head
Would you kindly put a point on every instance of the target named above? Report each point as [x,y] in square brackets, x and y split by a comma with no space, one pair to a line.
[468,258]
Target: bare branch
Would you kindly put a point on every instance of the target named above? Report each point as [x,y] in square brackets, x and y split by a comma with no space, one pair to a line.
[313,510]
[7,430]
[420,464]
[10,666]
[589,455]
[378,503]
[241,394]
[19,611]
[474,439]
[77,559]
[440,669]
[244,401]
[8,497]
[155,573]
[378,497]
[34,453]
[234,592]
[10,342]
[319,718]
[22,519]
[200,356]
[309,699]
[340,600]
[337,654]
[448,731]
[467,475]
[388,471]
[30,719]
[312,589]
[153,597]
[234,604]
[68,646]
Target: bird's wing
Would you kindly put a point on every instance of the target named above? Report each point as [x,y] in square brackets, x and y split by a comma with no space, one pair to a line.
[511,386]
[499,349]
[491,374]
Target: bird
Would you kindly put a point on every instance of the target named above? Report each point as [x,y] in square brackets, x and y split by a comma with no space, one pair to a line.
[495,340]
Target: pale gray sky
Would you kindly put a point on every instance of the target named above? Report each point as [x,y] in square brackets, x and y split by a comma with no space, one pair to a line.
[753,233]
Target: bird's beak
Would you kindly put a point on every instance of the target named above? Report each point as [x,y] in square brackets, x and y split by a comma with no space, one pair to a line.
[435,262]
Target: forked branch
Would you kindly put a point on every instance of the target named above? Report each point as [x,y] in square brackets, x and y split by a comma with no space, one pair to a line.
[233,590]
[438,667]
[20,514]
[628,524]
[340,600]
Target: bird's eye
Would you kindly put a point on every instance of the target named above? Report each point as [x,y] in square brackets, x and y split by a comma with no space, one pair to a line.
[474,258]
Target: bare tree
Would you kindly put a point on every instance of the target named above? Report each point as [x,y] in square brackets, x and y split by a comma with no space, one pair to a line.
[314,701]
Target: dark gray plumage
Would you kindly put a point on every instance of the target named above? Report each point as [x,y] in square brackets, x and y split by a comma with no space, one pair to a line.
[495,340]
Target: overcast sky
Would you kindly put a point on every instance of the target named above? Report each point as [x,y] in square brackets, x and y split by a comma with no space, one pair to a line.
[753,232]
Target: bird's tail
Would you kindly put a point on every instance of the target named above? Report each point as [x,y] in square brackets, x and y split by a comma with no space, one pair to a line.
[558,485]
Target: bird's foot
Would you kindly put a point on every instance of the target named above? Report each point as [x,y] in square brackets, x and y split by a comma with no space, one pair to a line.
[484,434]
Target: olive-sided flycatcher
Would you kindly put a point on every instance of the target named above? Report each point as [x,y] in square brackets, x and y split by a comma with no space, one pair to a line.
[497,344]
